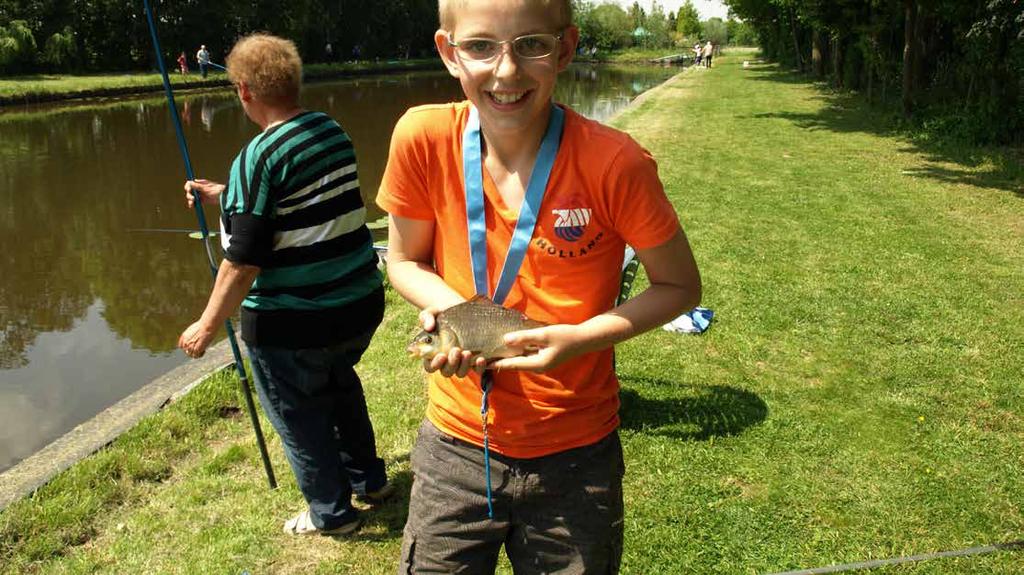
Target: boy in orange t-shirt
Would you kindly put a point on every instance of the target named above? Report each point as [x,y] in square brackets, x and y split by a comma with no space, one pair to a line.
[461,179]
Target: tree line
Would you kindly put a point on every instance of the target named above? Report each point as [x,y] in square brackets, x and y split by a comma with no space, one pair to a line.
[112,35]
[957,65]
[609,27]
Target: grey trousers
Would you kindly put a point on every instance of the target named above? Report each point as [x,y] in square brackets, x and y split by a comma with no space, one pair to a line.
[561,513]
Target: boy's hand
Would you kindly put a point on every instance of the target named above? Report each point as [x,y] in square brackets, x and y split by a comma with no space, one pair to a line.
[456,361]
[209,191]
[555,345]
[428,318]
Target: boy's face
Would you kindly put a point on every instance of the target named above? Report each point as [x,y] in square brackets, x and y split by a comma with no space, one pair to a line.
[512,93]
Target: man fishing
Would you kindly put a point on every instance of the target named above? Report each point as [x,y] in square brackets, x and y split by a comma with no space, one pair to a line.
[299,260]
[203,57]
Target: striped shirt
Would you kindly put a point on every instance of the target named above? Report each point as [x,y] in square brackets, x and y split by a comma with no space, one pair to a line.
[292,207]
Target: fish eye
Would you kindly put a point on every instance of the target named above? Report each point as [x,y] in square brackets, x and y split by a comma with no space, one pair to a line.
[427,338]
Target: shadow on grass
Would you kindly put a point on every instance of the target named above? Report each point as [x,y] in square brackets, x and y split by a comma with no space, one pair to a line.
[847,112]
[385,522]
[691,412]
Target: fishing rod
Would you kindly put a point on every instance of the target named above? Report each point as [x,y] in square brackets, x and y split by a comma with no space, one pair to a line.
[180,132]
[194,234]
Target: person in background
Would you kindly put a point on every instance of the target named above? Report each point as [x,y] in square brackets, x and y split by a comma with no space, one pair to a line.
[697,54]
[709,51]
[203,57]
[551,417]
[183,64]
[299,260]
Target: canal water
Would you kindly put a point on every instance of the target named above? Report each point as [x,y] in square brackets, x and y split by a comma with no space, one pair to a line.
[96,277]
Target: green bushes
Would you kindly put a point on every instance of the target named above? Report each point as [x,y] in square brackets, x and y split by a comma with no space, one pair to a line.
[79,37]
[60,51]
[17,47]
[19,52]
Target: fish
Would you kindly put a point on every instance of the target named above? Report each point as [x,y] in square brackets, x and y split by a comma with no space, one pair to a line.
[478,326]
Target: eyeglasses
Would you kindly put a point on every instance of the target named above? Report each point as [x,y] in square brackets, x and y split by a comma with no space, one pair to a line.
[529,47]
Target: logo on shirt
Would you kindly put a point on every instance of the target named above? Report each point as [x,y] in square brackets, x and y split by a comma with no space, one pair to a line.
[571,223]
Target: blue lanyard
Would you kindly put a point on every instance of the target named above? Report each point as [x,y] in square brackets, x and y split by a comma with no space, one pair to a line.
[472,164]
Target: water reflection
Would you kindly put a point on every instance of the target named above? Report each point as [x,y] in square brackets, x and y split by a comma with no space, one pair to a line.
[91,303]
[82,367]
[75,186]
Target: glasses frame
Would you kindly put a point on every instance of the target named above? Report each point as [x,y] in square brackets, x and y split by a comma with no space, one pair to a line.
[512,43]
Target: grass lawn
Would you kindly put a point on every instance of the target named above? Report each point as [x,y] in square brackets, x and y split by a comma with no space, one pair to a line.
[642,54]
[40,84]
[42,87]
[857,397]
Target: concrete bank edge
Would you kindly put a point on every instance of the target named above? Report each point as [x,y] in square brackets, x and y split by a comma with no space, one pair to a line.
[643,96]
[87,438]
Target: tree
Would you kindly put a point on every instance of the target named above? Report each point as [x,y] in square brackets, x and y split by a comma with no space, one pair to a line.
[611,27]
[740,33]
[581,13]
[17,47]
[688,21]
[638,16]
[60,50]
[714,29]
[658,27]
[909,54]
[969,55]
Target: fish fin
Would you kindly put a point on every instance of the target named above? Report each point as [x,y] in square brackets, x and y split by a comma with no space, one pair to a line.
[447,340]
[479,299]
[532,323]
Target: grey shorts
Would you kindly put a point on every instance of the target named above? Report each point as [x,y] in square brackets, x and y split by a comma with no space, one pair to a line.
[561,513]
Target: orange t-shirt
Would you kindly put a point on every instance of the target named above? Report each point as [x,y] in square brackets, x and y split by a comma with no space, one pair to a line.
[603,193]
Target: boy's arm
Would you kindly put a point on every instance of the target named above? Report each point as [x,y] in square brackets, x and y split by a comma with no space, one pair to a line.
[675,288]
[410,266]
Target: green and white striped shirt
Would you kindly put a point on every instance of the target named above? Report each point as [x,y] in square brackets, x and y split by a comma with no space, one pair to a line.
[292,207]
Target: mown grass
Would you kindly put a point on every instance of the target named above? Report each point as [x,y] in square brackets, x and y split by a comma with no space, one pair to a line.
[42,87]
[29,87]
[640,54]
[857,397]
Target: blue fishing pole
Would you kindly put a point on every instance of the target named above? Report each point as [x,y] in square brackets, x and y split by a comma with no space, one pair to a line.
[180,132]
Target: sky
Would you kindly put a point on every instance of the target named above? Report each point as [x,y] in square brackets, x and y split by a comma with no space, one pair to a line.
[707,8]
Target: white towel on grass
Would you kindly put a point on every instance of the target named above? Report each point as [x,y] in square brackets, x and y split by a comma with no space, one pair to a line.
[696,320]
